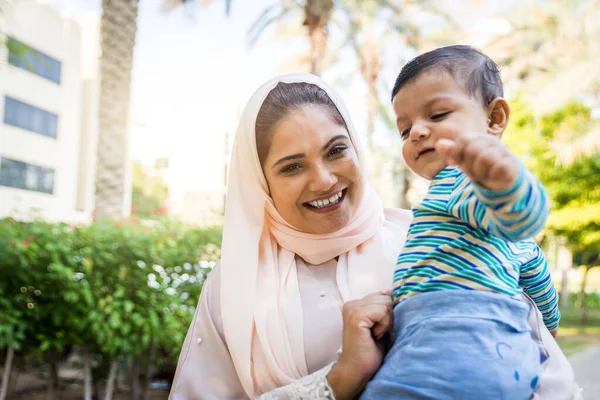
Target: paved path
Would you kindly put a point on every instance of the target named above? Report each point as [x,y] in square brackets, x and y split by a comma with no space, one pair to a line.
[587,371]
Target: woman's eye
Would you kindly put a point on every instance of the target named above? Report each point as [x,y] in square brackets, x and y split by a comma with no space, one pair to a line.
[290,168]
[337,150]
[439,116]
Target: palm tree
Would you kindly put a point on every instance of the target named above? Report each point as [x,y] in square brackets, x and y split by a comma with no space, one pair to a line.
[397,28]
[316,17]
[118,30]
[554,52]
[117,35]
[373,26]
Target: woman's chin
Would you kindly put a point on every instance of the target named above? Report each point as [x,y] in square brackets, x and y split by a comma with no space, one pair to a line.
[324,224]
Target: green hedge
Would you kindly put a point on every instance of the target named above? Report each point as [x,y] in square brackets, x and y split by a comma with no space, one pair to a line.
[118,289]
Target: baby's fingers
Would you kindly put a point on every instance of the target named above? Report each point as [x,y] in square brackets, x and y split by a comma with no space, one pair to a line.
[448,149]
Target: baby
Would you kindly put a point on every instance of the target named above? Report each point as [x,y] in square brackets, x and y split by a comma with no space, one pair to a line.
[461,329]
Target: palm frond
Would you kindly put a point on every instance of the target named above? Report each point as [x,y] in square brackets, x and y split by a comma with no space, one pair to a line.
[266,18]
[549,91]
[582,148]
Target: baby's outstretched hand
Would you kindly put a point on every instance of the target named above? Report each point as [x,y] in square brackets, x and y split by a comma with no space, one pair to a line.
[483,158]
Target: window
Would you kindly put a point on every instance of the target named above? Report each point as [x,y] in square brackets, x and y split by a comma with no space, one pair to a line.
[24,116]
[26,57]
[21,175]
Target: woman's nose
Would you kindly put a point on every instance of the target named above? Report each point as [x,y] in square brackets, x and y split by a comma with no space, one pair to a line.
[323,179]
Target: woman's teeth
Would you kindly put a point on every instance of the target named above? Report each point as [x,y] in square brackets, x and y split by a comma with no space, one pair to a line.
[327,202]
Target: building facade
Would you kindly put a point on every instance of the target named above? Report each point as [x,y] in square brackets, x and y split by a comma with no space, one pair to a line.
[48,108]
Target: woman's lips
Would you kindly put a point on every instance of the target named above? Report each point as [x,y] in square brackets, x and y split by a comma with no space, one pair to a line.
[329,208]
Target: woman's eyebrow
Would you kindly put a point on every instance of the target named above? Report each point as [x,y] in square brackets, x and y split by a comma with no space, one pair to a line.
[302,155]
[288,158]
[333,139]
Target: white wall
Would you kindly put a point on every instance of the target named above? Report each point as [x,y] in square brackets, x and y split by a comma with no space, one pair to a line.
[44,29]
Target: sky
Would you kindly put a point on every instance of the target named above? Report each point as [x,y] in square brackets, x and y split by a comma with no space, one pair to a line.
[194,71]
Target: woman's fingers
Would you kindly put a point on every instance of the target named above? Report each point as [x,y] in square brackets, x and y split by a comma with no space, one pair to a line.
[365,321]
[383,325]
[371,312]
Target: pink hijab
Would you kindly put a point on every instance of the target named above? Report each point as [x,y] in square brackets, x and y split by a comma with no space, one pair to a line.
[260,296]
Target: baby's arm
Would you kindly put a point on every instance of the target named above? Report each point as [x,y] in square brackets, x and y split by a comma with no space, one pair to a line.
[507,200]
[518,213]
[536,282]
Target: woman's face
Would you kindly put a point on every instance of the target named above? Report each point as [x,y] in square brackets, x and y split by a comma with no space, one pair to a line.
[313,172]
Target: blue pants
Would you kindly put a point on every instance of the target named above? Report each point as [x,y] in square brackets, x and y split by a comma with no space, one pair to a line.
[460,344]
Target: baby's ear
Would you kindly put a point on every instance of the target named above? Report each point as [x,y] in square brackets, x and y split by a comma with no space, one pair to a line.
[498,115]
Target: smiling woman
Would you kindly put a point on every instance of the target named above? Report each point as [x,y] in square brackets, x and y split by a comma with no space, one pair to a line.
[308,257]
[308,158]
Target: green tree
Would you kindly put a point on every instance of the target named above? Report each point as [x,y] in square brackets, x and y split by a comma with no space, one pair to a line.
[552,49]
[149,193]
[121,291]
[575,188]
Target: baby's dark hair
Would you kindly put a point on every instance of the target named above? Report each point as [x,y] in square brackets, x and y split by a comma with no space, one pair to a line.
[478,73]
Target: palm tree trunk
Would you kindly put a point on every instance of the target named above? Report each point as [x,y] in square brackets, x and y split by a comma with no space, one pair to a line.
[402,181]
[582,303]
[318,41]
[406,183]
[372,106]
[135,379]
[53,380]
[565,263]
[7,372]
[149,372]
[87,375]
[317,14]
[110,382]
[118,29]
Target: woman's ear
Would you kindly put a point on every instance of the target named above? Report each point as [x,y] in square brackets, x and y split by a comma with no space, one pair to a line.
[498,115]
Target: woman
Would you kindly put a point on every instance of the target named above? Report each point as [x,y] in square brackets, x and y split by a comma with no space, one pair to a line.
[305,237]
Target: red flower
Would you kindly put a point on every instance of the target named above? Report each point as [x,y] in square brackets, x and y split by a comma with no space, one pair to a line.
[163,211]
[25,243]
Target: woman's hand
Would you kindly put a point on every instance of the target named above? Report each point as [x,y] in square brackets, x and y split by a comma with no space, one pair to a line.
[366,321]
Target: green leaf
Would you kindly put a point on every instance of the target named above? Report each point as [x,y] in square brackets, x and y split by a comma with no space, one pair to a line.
[114,320]
[129,306]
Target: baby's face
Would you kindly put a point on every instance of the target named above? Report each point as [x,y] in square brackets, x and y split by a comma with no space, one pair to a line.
[430,107]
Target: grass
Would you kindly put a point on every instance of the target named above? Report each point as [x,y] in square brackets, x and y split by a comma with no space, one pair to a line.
[573,337]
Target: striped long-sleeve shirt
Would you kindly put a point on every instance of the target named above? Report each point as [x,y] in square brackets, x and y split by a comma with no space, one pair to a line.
[464,236]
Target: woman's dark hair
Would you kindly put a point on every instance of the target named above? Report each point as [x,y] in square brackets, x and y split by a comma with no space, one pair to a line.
[283,99]
[478,73]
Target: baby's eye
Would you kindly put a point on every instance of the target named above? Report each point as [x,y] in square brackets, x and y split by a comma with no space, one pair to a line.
[439,116]
[404,134]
